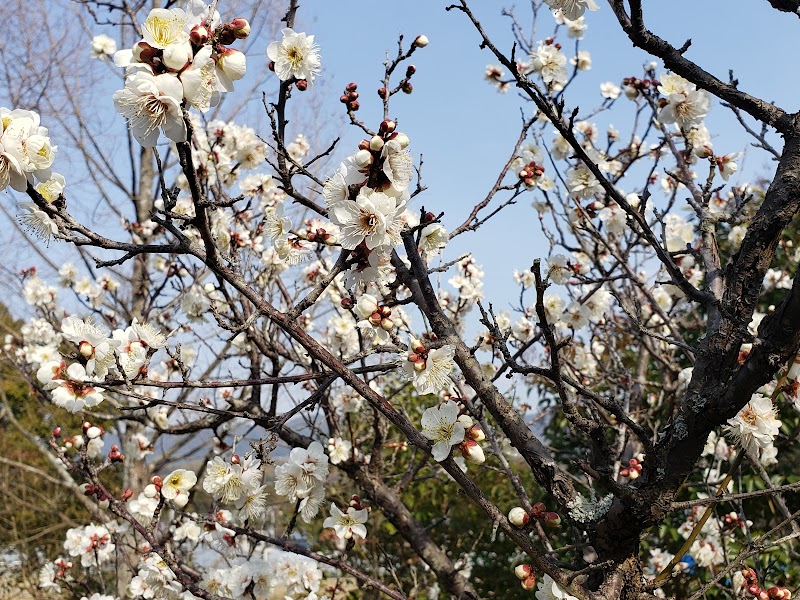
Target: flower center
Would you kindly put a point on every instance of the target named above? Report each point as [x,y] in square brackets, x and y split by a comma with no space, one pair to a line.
[749,416]
[164,30]
[295,57]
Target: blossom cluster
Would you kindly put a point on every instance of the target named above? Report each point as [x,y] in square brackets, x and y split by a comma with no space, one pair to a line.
[183,56]
[73,386]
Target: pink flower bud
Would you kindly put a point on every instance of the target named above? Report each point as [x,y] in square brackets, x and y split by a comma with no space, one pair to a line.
[199,35]
[471,451]
[240,28]
[413,357]
[375,318]
[523,571]
[85,349]
[552,519]
[418,347]
[519,517]
[127,494]
[476,433]
[529,583]
[144,52]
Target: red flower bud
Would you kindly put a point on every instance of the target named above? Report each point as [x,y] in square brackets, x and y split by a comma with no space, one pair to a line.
[407,88]
[382,92]
[410,70]
[301,84]
[351,87]
[347,302]
[354,105]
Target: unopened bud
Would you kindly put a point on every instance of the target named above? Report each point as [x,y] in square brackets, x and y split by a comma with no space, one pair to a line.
[624,472]
[363,158]
[420,366]
[351,87]
[382,92]
[375,318]
[465,420]
[181,500]
[144,52]
[387,324]
[86,349]
[418,347]
[552,519]
[57,432]
[634,474]
[301,84]
[236,459]
[407,88]
[519,517]
[376,143]
[523,571]
[347,302]
[410,70]
[150,491]
[94,432]
[385,311]
[240,28]
[476,433]
[529,583]
[387,126]
[471,451]
[421,41]
[199,35]
[127,494]
[354,105]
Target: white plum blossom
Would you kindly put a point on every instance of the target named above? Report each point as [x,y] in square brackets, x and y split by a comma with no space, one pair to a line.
[609,90]
[373,218]
[75,392]
[296,56]
[433,238]
[347,524]
[103,47]
[440,424]
[756,425]
[547,589]
[686,105]
[550,63]
[339,450]
[429,370]
[572,9]
[177,484]
[92,544]
[152,102]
